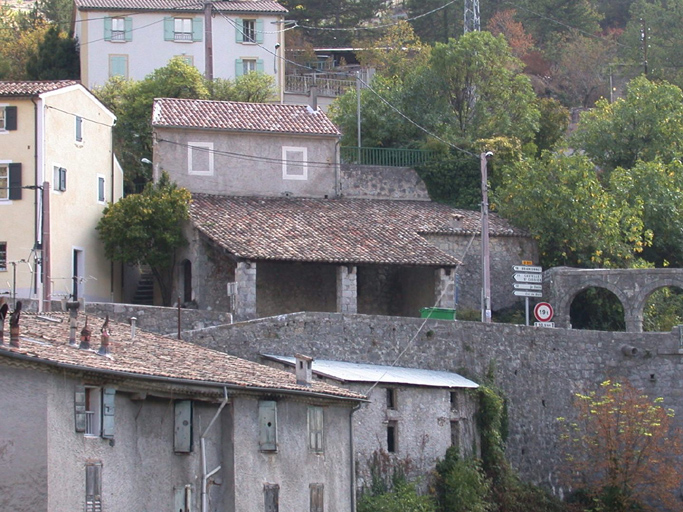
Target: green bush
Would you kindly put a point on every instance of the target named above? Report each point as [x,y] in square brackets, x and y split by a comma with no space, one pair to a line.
[404,498]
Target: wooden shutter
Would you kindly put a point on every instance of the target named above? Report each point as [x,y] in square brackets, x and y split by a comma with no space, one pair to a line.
[258,27]
[79,408]
[259,65]
[197,29]
[10,118]
[317,496]
[107,28]
[239,67]
[271,496]
[268,425]
[108,409]
[79,129]
[15,181]
[93,487]
[182,434]
[169,29]
[239,36]
[315,428]
[118,66]
[128,27]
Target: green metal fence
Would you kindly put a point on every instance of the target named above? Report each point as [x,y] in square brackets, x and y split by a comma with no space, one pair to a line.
[387,157]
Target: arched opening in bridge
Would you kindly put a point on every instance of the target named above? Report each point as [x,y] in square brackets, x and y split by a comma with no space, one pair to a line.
[597,309]
[663,309]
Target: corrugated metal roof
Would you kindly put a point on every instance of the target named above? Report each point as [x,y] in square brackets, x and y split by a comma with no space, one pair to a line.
[357,372]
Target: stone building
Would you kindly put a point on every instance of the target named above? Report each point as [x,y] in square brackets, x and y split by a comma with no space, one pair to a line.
[134,421]
[278,226]
[412,417]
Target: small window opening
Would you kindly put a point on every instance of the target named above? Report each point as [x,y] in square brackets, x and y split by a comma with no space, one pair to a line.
[391,437]
[391,398]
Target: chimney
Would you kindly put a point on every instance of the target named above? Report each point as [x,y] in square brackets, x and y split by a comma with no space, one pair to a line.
[73,315]
[313,97]
[14,326]
[104,339]
[304,371]
[86,333]
[456,221]
[133,321]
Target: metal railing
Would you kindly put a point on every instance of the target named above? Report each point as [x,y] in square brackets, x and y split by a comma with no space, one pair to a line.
[90,423]
[386,157]
[332,87]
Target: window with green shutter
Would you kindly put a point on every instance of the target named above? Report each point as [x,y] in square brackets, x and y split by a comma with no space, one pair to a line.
[268,425]
[118,65]
[315,428]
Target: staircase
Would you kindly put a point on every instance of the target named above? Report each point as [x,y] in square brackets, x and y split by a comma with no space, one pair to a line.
[144,293]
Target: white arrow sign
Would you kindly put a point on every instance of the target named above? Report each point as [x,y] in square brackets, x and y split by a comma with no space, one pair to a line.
[525,286]
[528,278]
[526,268]
[527,293]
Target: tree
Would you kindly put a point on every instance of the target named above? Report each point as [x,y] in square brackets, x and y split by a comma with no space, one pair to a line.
[588,226]
[503,22]
[20,35]
[622,452]
[252,87]
[55,58]
[552,125]
[58,12]
[549,20]
[444,22]
[646,125]
[147,229]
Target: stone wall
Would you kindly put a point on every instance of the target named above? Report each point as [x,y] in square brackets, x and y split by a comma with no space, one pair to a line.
[538,369]
[375,182]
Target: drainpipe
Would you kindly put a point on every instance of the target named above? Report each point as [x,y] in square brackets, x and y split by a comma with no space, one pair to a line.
[353,459]
[206,475]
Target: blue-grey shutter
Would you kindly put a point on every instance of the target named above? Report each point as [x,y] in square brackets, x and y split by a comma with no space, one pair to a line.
[315,428]
[14,181]
[118,65]
[271,497]
[169,29]
[239,27]
[317,503]
[79,408]
[239,67]
[108,409]
[128,24]
[93,487]
[197,29]
[107,28]
[258,26]
[100,189]
[267,413]
[182,437]
[10,118]
[259,65]
[79,128]
[62,179]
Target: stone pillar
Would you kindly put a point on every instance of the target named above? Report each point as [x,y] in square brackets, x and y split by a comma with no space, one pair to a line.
[444,288]
[245,279]
[347,289]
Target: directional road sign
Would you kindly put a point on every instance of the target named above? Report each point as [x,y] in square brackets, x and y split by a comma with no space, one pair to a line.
[528,278]
[527,293]
[526,268]
[527,286]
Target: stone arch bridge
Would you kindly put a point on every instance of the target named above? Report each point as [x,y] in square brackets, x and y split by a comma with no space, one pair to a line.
[631,286]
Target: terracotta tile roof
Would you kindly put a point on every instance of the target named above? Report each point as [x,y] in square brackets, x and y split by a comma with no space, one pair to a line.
[150,356]
[237,116]
[13,89]
[246,6]
[333,230]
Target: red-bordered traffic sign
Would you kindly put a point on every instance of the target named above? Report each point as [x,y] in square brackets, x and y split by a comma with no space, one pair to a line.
[543,312]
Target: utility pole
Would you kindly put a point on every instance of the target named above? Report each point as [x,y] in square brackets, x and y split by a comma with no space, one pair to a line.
[472,22]
[208,41]
[485,253]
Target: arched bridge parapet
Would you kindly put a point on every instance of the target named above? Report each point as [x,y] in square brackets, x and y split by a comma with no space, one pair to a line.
[631,286]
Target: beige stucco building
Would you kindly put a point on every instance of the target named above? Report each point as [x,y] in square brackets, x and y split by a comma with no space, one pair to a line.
[57,174]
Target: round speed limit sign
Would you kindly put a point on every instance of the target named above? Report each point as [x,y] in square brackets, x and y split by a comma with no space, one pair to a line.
[543,312]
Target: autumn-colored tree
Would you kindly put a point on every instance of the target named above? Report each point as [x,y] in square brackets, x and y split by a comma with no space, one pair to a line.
[622,452]
[147,229]
[503,22]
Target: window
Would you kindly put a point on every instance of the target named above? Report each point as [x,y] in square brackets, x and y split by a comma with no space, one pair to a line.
[268,425]
[294,163]
[187,59]
[10,181]
[271,497]
[93,487]
[118,29]
[392,437]
[8,118]
[200,158]
[59,178]
[183,29]
[247,65]
[317,495]
[100,189]
[94,411]
[455,434]
[315,429]
[454,401]
[248,30]
[391,398]
[3,256]
[118,66]
[182,434]
[79,129]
